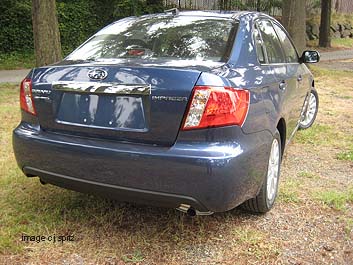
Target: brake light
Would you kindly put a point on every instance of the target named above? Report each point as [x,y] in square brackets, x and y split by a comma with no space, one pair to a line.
[26,98]
[216,106]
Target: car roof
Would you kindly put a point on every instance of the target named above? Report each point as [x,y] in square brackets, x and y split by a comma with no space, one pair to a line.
[213,13]
[235,15]
[222,14]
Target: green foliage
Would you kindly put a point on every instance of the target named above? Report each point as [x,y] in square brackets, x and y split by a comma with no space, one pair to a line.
[76,23]
[267,6]
[127,8]
[16,60]
[263,5]
[15,26]
[346,155]
[335,199]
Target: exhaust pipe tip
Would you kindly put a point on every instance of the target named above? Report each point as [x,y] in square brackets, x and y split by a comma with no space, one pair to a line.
[191,212]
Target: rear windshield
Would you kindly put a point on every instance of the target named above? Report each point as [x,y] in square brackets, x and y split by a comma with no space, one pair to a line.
[164,37]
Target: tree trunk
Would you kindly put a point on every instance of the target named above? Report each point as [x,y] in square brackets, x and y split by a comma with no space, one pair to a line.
[258,6]
[46,32]
[294,20]
[325,38]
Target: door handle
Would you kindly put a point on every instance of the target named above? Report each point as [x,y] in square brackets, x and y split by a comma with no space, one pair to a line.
[300,78]
[283,85]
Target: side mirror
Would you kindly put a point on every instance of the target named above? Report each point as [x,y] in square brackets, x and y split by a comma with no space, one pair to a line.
[310,57]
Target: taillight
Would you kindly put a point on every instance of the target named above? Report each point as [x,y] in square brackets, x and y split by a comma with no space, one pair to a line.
[26,98]
[216,106]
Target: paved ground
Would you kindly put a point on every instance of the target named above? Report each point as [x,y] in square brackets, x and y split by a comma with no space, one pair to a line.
[337,60]
[15,76]
[337,55]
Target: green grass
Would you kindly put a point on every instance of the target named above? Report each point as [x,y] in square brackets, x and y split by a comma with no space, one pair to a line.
[321,72]
[308,175]
[348,227]
[17,60]
[336,43]
[288,191]
[348,155]
[342,42]
[135,257]
[26,207]
[254,241]
[319,134]
[335,199]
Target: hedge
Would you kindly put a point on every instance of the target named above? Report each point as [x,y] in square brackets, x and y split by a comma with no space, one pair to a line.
[78,19]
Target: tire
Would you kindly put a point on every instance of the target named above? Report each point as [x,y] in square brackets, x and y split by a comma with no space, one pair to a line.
[266,198]
[311,112]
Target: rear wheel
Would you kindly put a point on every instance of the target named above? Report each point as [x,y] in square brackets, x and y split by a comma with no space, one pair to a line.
[311,112]
[265,200]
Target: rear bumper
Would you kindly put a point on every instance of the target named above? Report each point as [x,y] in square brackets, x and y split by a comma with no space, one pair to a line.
[209,175]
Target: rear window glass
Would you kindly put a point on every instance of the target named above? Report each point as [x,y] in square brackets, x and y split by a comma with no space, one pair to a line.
[180,37]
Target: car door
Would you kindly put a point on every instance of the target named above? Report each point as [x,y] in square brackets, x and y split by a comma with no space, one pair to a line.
[284,93]
[296,74]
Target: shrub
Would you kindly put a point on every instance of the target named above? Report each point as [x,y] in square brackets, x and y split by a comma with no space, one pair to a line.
[15,26]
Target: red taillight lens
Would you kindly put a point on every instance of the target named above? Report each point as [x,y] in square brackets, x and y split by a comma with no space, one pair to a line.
[26,98]
[216,106]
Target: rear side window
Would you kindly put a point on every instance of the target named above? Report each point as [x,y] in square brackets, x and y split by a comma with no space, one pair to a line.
[162,37]
[289,50]
[271,42]
[259,46]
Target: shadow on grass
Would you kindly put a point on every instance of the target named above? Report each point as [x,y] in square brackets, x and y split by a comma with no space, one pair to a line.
[33,209]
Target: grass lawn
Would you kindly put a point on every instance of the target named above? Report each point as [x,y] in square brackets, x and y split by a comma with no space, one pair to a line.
[312,222]
[17,60]
[337,44]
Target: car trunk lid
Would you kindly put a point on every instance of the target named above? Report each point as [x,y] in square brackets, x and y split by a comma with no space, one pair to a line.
[133,104]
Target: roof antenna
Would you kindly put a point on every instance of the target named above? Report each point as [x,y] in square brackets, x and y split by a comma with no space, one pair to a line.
[175,11]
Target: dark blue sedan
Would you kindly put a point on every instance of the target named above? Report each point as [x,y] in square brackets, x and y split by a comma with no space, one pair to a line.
[191,110]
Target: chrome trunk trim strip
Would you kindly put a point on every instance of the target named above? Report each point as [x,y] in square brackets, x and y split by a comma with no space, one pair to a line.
[102,88]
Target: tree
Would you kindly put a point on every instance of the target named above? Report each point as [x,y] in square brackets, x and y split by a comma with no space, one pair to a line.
[294,20]
[325,38]
[46,32]
[258,6]
[155,6]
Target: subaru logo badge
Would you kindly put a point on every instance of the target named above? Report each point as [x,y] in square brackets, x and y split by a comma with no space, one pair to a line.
[97,74]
